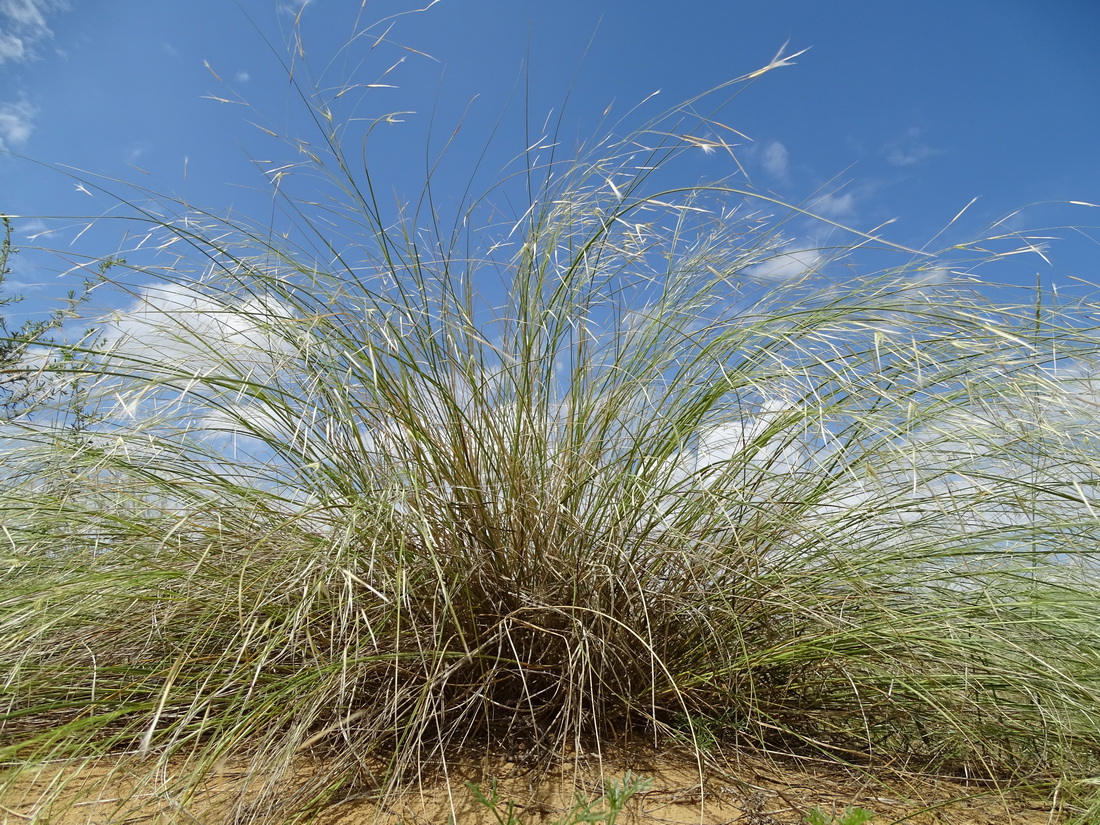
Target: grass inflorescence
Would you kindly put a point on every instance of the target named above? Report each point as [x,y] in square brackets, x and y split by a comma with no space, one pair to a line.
[591,478]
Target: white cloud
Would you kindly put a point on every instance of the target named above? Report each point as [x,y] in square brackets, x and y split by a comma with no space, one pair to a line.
[180,328]
[11,48]
[785,264]
[734,439]
[22,27]
[932,276]
[172,336]
[28,13]
[25,24]
[834,206]
[909,149]
[31,228]
[243,77]
[293,6]
[776,160]
[16,123]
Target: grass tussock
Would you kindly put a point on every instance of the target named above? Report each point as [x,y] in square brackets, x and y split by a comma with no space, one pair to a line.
[593,476]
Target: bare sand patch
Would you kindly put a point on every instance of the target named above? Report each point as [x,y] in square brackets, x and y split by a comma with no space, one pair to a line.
[749,790]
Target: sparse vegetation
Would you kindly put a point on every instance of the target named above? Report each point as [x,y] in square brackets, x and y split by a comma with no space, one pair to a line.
[16,380]
[588,478]
[605,808]
[21,374]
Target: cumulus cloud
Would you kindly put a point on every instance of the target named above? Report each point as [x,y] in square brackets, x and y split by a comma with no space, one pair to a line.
[909,149]
[16,124]
[161,349]
[732,439]
[172,332]
[23,25]
[179,326]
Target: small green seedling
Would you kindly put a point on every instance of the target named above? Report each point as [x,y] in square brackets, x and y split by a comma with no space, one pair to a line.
[850,816]
[603,809]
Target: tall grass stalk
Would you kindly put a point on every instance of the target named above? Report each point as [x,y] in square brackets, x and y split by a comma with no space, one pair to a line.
[586,479]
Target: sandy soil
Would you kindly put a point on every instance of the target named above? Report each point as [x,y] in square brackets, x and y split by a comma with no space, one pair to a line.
[748,791]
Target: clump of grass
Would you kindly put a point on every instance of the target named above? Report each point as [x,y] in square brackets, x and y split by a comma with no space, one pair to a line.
[568,483]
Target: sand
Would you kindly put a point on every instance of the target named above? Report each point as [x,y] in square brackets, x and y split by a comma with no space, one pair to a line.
[746,790]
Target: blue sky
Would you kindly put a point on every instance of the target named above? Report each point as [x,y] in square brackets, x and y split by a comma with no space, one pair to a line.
[898,111]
